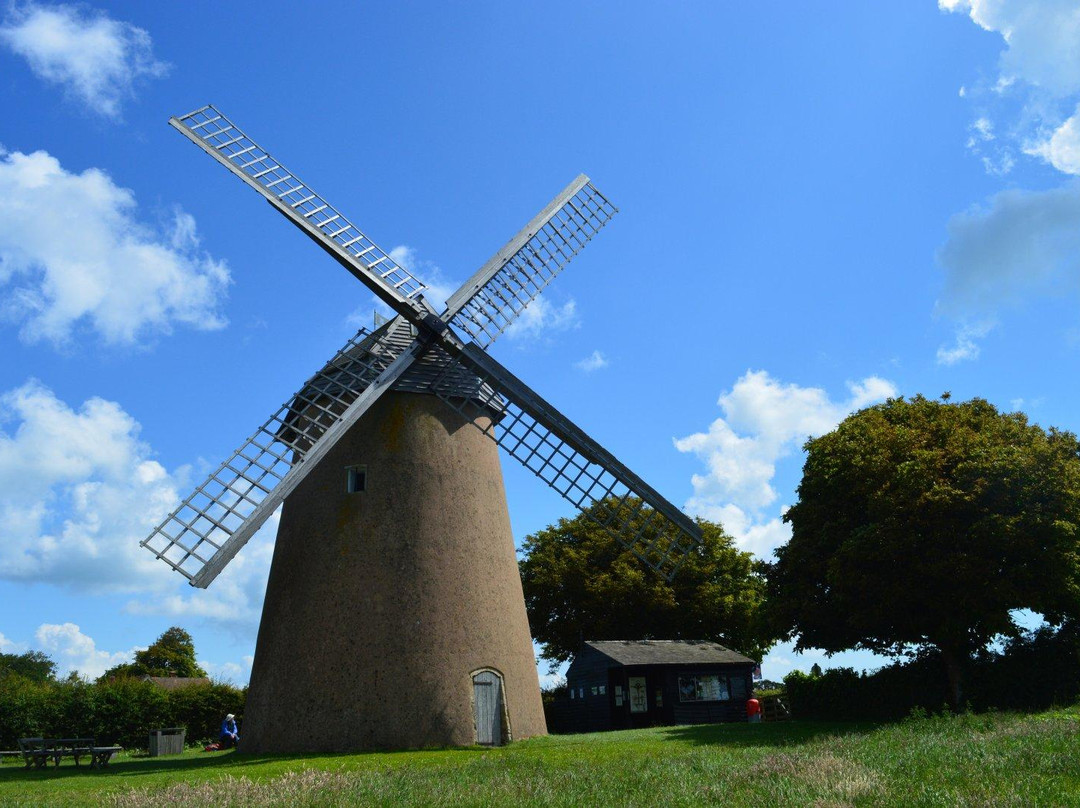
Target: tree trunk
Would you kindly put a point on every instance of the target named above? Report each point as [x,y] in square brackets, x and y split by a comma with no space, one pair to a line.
[955,673]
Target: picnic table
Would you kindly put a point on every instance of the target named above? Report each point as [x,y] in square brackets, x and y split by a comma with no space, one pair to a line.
[37,752]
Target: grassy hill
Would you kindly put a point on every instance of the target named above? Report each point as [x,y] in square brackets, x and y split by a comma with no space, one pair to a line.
[993,759]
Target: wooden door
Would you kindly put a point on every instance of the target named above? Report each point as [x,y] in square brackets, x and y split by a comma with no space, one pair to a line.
[488,707]
[639,694]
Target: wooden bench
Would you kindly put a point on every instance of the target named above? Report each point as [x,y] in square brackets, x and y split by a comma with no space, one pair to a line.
[37,752]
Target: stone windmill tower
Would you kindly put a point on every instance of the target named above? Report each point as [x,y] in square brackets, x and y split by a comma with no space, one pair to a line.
[394,614]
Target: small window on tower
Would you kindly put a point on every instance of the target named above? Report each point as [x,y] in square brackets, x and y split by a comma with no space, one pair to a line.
[355,479]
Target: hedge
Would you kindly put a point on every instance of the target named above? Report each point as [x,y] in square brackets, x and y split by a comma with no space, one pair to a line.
[1035,671]
[121,711]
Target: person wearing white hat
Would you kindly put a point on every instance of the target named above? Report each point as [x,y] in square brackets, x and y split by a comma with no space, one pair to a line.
[230,736]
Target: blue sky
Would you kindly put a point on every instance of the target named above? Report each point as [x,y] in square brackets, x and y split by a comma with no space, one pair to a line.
[820,207]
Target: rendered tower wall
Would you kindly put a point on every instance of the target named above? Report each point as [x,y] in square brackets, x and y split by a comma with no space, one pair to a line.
[381,604]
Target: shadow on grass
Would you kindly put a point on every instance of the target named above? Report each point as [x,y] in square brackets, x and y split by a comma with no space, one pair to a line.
[780,733]
[223,762]
[125,766]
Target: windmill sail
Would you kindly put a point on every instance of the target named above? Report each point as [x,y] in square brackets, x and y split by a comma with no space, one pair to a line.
[218,518]
[553,448]
[225,142]
[499,291]
[221,515]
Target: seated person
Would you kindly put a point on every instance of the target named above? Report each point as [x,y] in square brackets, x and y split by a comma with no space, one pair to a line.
[230,736]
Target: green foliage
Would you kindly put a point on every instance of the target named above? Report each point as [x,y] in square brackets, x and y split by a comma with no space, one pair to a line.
[1000,680]
[26,709]
[33,665]
[119,711]
[201,708]
[580,584]
[172,654]
[922,524]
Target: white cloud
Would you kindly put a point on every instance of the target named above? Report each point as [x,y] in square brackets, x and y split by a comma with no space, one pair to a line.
[982,130]
[74,651]
[981,142]
[753,531]
[595,361]
[72,254]
[965,347]
[1023,244]
[236,673]
[234,599]
[96,59]
[1042,39]
[1062,148]
[1040,67]
[78,491]
[763,422]
[9,646]
[541,318]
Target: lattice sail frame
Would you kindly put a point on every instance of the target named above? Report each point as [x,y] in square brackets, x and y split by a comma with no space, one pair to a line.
[549,243]
[549,445]
[224,140]
[229,500]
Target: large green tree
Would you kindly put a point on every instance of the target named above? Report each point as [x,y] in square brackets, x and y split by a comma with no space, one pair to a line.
[172,654]
[922,525]
[580,584]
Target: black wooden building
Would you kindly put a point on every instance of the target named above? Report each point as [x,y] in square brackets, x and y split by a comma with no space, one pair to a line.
[619,684]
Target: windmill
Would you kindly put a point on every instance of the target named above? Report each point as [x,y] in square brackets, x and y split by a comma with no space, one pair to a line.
[394,614]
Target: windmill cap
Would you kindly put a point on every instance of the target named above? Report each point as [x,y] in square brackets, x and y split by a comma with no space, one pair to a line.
[230,717]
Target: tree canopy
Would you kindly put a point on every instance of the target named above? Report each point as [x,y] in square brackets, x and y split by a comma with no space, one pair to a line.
[33,665]
[923,524]
[172,654]
[581,584]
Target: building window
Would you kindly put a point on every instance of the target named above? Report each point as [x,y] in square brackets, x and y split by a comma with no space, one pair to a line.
[581,692]
[595,690]
[355,479]
[571,692]
[603,689]
[709,687]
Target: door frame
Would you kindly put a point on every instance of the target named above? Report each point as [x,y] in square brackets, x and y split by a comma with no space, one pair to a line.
[507,734]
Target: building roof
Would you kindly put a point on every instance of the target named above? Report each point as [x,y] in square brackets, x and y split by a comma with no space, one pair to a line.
[176,682]
[667,652]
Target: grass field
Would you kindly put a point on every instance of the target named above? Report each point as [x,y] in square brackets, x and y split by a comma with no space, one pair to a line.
[991,760]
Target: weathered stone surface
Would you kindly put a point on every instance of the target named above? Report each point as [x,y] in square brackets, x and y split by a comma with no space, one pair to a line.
[381,605]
